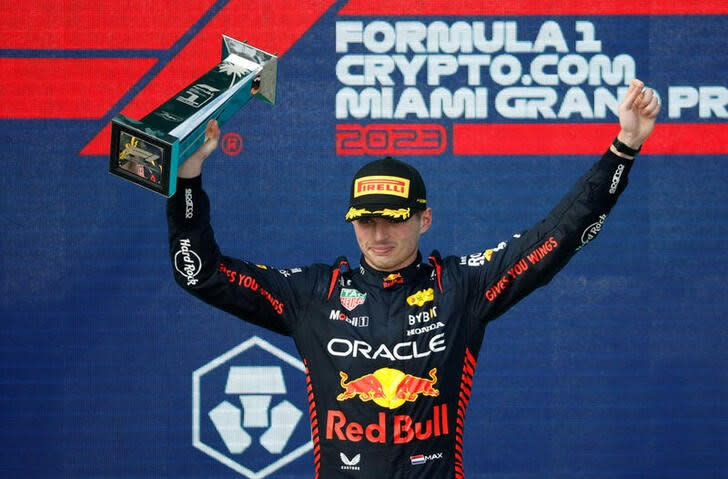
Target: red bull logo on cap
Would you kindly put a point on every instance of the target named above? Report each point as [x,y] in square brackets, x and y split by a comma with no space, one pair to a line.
[387,387]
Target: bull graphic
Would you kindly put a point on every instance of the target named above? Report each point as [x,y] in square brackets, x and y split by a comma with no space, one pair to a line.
[410,387]
[366,387]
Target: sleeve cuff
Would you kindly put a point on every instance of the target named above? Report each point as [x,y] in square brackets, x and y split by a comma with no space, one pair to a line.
[194,183]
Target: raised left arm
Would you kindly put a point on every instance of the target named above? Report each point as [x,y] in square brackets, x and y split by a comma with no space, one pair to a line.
[530,259]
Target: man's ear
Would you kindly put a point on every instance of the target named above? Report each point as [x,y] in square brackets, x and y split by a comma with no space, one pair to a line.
[425,220]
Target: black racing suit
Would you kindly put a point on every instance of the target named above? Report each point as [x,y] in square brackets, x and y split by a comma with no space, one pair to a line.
[389,357]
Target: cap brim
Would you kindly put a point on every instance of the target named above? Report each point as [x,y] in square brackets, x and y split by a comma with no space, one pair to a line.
[374,211]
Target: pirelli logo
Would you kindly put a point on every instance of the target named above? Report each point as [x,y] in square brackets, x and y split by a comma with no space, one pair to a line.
[381,185]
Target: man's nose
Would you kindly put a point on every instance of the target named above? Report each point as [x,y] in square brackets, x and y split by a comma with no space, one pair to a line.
[381,230]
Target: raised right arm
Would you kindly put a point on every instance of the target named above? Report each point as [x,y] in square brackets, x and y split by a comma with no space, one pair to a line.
[267,297]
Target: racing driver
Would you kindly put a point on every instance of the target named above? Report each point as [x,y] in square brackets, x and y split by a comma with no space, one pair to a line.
[390,346]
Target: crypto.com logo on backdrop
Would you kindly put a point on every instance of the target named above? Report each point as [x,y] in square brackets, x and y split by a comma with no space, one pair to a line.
[241,415]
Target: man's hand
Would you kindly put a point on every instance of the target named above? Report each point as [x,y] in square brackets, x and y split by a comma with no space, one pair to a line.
[637,114]
[192,166]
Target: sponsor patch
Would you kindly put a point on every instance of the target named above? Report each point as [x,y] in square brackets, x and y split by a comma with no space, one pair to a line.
[381,185]
[421,297]
[351,298]
[420,459]
[344,347]
[187,262]
[189,206]
[615,179]
[422,316]
[388,387]
[392,280]
[350,464]
[425,329]
[592,231]
[488,254]
[358,321]
[395,429]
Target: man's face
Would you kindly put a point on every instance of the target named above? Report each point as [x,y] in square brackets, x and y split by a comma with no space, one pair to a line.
[391,245]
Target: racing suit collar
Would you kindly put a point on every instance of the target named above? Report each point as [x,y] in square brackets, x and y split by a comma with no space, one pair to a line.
[389,279]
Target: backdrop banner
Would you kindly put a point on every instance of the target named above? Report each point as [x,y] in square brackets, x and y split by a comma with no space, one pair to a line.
[615,369]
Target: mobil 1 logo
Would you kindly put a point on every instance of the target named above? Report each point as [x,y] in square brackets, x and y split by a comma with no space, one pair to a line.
[248,412]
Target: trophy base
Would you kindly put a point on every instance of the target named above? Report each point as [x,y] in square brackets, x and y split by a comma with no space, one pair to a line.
[143,156]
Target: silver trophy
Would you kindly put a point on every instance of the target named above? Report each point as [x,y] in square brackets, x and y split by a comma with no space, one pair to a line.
[148,151]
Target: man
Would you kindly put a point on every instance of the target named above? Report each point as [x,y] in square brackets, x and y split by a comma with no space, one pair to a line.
[390,347]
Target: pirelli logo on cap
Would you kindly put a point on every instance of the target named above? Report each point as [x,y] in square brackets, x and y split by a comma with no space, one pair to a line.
[381,185]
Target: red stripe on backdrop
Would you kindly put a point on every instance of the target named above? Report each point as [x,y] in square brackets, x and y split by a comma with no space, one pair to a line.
[583,138]
[66,87]
[272,25]
[532,7]
[97,24]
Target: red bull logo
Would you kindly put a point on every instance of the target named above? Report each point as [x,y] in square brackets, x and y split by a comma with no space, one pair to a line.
[366,387]
[392,279]
[387,387]
[410,387]
[404,428]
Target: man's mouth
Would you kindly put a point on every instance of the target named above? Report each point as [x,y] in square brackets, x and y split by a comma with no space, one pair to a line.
[381,250]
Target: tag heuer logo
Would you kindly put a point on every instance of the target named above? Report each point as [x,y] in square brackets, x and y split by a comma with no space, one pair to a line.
[351,298]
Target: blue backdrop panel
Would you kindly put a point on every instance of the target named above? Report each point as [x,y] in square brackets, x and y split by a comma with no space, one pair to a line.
[616,369]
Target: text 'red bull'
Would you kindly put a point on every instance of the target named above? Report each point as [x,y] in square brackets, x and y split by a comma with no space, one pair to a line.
[404,428]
